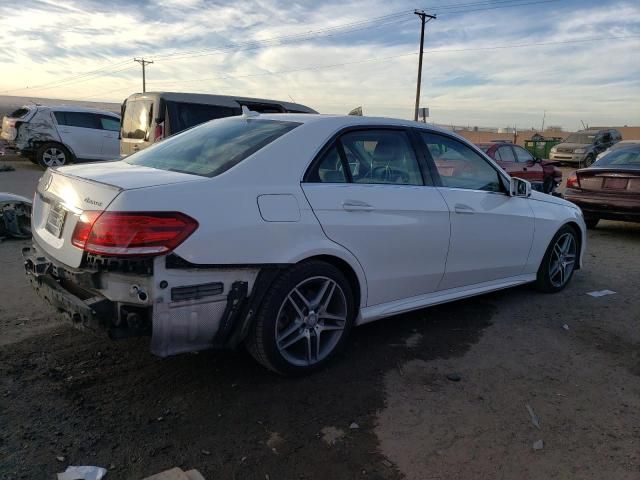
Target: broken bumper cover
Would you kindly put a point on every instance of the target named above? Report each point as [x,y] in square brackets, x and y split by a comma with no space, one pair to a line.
[94,313]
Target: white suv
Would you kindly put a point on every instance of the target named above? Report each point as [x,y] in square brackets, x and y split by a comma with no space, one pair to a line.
[55,136]
[283,231]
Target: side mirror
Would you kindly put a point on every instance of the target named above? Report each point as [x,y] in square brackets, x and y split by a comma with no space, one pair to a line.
[519,188]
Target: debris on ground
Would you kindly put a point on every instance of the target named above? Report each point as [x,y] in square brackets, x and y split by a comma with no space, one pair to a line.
[534,418]
[330,435]
[354,426]
[454,377]
[600,293]
[275,441]
[82,473]
[565,326]
[176,474]
[15,216]
[538,445]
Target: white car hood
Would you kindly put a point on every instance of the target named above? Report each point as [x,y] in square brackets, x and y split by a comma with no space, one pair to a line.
[127,176]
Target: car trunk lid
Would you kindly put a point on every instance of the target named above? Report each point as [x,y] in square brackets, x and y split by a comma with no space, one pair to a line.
[64,194]
[619,181]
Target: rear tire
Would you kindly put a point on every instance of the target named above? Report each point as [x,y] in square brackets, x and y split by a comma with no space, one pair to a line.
[588,161]
[591,222]
[52,155]
[304,319]
[559,261]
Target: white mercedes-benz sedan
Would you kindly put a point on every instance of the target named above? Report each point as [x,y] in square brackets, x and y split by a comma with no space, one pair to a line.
[283,231]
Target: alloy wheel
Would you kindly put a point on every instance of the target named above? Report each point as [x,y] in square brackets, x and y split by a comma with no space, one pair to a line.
[54,157]
[311,321]
[563,259]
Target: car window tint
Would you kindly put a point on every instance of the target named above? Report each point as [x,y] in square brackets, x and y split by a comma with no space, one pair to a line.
[183,115]
[507,154]
[110,123]
[522,155]
[459,166]
[381,156]
[212,148]
[136,120]
[77,119]
[329,168]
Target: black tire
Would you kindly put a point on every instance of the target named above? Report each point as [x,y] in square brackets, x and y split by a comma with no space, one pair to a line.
[548,185]
[261,340]
[544,280]
[591,222]
[589,161]
[53,155]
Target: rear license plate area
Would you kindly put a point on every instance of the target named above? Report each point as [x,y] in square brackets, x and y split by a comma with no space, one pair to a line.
[615,183]
[55,220]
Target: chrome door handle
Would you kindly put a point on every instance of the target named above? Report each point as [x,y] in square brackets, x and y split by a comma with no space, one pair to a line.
[460,208]
[353,205]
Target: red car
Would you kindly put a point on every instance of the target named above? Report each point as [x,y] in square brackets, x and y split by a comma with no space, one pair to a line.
[518,162]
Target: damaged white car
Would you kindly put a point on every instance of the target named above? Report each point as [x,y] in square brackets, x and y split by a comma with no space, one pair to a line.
[283,231]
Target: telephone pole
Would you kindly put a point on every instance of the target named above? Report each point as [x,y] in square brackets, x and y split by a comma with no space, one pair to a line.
[144,63]
[423,17]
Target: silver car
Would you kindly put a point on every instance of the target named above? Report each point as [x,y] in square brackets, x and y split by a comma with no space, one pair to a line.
[583,147]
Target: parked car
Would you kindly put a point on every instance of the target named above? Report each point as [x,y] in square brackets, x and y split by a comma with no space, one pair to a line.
[283,231]
[584,146]
[152,116]
[610,188]
[55,136]
[544,176]
[615,146]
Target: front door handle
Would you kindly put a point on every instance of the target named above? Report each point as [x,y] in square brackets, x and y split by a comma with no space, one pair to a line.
[461,208]
[353,205]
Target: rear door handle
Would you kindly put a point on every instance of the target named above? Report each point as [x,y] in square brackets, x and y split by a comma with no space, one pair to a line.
[353,205]
[461,208]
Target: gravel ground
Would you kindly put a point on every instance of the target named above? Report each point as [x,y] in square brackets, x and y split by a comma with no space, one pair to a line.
[68,398]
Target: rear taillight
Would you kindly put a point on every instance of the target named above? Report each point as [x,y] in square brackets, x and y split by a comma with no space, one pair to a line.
[132,233]
[158,134]
[572,181]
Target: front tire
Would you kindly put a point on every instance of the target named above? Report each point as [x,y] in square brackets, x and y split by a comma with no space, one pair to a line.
[591,222]
[589,161]
[52,155]
[304,319]
[558,263]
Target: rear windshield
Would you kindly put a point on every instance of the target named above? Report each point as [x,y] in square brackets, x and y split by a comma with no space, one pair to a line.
[628,157]
[21,112]
[184,115]
[136,119]
[212,148]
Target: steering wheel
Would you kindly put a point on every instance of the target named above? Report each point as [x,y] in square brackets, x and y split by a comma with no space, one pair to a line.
[389,174]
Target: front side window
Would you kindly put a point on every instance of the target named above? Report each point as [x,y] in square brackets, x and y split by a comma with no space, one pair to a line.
[459,166]
[109,123]
[381,156]
[522,155]
[212,148]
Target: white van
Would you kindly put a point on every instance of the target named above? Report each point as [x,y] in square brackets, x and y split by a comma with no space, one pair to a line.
[152,116]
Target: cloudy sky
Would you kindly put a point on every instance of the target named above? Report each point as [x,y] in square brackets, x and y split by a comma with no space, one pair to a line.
[488,63]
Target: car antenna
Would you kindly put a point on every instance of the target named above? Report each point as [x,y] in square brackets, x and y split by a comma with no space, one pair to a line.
[246,113]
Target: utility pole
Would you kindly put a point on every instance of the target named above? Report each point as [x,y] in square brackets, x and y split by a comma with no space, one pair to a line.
[423,17]
[144,63]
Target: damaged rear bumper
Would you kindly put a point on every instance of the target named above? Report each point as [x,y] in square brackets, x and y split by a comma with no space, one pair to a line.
[180,309]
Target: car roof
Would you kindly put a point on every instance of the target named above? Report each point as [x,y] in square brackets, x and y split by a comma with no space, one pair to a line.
[342,121]
[70,108]
[212,99]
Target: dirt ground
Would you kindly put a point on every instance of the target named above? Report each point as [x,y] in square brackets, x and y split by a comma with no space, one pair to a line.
[386,409]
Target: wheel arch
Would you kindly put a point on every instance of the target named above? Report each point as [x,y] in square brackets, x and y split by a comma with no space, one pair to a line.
[348,271]
[580,235]
[39,143]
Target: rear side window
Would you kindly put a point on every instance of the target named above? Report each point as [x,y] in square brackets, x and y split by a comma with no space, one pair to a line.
[184,115]
[136,120]
[522,155]
[213,148]
[506,154]
[77,119]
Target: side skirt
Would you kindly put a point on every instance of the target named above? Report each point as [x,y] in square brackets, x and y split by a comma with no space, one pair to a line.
[376,312]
